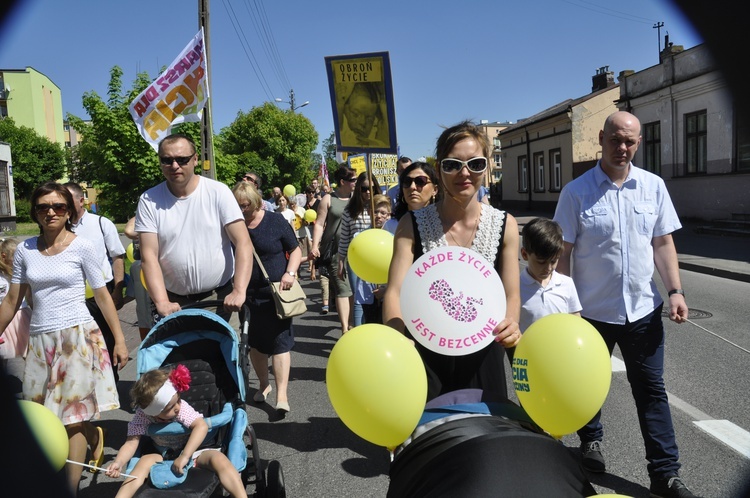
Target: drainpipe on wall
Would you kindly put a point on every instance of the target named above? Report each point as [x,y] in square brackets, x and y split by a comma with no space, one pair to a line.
[528,167]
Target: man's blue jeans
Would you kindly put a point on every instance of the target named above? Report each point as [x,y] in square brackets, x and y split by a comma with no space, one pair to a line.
[642,346]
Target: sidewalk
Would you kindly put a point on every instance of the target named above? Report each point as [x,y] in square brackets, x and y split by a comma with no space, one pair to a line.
[721,256]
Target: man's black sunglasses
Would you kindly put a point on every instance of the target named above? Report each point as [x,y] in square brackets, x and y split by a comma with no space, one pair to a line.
[181,160]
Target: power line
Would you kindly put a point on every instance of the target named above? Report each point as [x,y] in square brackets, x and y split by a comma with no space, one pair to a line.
[611,12]
[248,51]
[264,42]
[257,11]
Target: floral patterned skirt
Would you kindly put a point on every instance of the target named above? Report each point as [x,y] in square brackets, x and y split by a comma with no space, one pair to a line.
[69,371]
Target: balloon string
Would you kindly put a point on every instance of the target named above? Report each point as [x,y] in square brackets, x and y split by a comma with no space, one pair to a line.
[97,468]
[718,336]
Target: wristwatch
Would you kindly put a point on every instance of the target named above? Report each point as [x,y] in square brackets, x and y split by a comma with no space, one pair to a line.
[676,291]
[292,273]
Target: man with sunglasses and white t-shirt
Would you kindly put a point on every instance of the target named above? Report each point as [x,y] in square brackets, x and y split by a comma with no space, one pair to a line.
[187,226]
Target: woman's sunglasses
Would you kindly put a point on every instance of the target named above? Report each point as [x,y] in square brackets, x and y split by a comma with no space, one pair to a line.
[419,181]
[365,189]
[474,165]
[59,208]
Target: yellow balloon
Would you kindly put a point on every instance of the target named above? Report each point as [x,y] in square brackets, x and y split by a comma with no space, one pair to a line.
[561,372]
[370,255]
[334,185]
[143,280]
[311,215]
[129,252]
[48,430]
[290,191]
[89,291]
[377,384]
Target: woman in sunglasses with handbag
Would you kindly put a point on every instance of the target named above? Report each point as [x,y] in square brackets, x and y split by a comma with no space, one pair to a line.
[418,188]
[273,238]
[459,219]
[68,368]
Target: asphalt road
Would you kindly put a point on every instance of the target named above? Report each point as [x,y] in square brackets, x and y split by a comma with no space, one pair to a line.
[705,376]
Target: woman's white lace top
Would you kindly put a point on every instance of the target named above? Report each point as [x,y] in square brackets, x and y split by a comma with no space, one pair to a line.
[486,240]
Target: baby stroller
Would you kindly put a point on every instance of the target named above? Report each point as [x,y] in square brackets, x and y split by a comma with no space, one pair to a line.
[217,359]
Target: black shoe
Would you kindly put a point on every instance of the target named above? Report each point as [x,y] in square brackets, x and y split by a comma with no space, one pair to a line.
[591,456]
[670,487]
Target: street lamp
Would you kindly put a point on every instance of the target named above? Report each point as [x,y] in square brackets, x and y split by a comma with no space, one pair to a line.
[292,107]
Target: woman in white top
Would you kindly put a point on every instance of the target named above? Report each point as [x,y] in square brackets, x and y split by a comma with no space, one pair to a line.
[459,219]
[68,369]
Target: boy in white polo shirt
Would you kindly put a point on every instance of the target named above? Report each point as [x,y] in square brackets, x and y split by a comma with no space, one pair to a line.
[543,290]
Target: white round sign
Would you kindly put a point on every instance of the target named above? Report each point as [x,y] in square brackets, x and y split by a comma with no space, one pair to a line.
[451,300]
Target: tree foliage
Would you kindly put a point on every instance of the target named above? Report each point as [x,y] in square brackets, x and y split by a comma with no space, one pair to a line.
[329,152]
[276,144]
[114,157]
[35,159]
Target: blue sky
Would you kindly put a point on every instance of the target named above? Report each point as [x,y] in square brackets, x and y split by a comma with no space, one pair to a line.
[477,59]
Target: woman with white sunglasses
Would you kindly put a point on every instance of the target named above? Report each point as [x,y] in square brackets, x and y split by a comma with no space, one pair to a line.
[459,219]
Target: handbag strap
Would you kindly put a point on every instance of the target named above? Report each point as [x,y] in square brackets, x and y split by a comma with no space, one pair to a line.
[262,268]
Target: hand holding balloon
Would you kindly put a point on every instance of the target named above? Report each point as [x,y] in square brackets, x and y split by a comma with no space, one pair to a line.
[507,333]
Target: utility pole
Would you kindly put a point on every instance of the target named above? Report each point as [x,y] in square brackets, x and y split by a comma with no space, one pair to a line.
[207,136]
[292,106]
[658,27]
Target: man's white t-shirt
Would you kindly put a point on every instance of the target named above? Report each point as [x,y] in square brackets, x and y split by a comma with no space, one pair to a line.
[195,253]
[105,239]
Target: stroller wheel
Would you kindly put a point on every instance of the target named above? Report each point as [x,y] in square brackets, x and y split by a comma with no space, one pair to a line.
[275,480]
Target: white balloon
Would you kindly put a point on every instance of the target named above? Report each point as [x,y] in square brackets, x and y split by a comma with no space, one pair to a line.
[451,300]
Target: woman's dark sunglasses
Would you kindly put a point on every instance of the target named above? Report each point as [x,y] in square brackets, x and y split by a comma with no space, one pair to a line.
[419,181]
[365,189]
[59,208]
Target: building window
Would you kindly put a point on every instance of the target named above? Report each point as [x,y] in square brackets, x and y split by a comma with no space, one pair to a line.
[555,170]
[696,138]
[498,161]
[743,144]
[539,172]
[523,174]
[652,147]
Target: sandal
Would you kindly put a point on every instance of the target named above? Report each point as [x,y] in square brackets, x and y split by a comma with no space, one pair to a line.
[97,461]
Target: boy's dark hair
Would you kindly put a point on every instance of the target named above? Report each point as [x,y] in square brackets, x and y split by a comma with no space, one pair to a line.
[543,238]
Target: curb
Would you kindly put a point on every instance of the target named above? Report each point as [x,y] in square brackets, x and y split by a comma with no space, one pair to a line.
[716,272]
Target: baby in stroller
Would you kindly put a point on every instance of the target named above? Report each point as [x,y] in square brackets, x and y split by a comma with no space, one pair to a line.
[156,398]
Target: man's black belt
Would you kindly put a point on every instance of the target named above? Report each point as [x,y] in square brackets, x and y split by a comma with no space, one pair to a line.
[200,296]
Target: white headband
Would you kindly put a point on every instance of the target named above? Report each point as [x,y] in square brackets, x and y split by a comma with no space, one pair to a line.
[161,399]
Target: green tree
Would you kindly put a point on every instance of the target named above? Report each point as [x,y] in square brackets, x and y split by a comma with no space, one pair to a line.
[113,157]
[35,159]
[329,152]
[276,144]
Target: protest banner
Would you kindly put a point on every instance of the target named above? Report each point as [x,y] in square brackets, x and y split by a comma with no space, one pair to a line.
[362,102]
[177,96]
